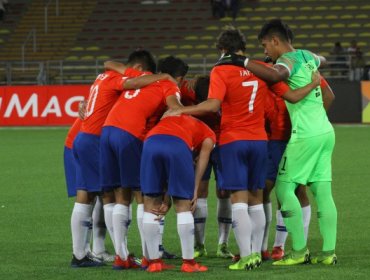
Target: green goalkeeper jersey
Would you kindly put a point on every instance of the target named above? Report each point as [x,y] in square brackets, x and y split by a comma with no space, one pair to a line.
[308,116]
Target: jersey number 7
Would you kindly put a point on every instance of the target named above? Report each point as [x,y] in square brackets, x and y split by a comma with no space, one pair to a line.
[253,84]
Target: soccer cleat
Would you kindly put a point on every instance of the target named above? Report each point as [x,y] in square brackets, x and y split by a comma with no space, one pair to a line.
[144,263]
[167,255]
[158,266]
[246,263]
[277,253]
[223,251]
[85,262]
[104,256]
[120,264]
[200,251]
[257,259]
[265,255]
[325,259]
[294,258]
[191,267]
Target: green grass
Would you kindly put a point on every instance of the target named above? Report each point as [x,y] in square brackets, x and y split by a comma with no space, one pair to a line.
[35,241]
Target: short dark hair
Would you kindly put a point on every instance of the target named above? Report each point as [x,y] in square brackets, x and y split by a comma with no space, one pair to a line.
[278,28]
[145,58]
[201,88]
[174,66]
[231,40]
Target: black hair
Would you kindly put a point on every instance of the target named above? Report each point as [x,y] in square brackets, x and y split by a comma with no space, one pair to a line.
[201,88]
[231,40]
[173,66]
[145,58]
[278,28]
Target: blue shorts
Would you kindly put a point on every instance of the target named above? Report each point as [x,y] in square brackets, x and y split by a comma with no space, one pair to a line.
[243,165]
[70,171]
[120,154]
[213,165]
[276,150]
[86,156]
[167,159]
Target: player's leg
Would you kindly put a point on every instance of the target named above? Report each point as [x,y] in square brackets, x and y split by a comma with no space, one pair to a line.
[86,155]
[185,226]
[200,216]
[327,216]
[292,214]
[268,218]
[224,222]
[306,208]
[109,202]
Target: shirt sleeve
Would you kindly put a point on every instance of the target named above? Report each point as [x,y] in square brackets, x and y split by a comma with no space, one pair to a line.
[286,62]
[169,88]
[217,86]
[279,88]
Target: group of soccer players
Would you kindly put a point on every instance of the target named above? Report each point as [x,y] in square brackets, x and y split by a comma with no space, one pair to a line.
[136,139]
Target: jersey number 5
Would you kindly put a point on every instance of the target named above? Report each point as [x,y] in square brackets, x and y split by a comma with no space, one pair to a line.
[253,84]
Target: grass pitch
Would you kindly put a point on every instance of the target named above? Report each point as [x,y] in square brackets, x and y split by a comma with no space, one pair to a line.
[35,240]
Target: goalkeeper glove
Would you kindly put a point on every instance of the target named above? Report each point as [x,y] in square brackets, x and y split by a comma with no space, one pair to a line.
[233,59]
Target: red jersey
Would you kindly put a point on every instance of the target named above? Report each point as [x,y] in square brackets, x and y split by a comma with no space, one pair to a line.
[187,95]
[188,98]
[242,102]
[104,92]
[72,133]
[277,118]
[187,128]
[134,108]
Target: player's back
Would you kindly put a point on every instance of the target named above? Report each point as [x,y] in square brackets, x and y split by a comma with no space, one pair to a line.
[242,107]
[189,129]
[135,107]
[104,92]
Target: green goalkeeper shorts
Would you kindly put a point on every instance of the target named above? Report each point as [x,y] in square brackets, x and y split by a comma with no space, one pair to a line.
[307,160]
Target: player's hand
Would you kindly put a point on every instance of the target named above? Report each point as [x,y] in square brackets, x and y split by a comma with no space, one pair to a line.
[232,59]
[193,203]
[161,211]
[82,109]
[172,112]
[191,84]
[316,79]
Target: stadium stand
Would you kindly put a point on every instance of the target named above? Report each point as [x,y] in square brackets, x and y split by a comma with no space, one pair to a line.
[87,32]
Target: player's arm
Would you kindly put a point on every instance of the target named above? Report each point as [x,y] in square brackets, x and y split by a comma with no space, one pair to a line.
[143,81]
[296,95]
[173,102]
[210,105]
[327,94]
[201,165]
[115,66]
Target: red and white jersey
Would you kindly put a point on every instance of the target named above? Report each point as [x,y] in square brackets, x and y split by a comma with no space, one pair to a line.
[72,133]
[135,107]
[187,128]
[104,92]
[242,97]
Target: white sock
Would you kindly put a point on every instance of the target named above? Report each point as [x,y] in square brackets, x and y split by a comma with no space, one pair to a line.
[185,229]
[120,226]
[281,232]
[151,235]
[242,228]
[306,213]
[258,220]
[161,231]
[80,222]
[268,215]
[108,217]
[200,217]
[139,218]
[128,226]
[88,236]
[98,227]
[224,219]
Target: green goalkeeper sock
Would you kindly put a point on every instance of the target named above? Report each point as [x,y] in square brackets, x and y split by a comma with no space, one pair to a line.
[292,213]
[326,213]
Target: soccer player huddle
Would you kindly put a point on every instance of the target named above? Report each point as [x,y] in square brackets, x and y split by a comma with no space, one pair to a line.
[156,137]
